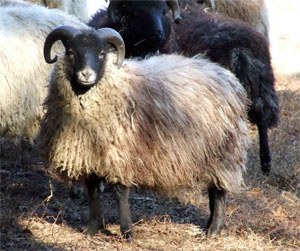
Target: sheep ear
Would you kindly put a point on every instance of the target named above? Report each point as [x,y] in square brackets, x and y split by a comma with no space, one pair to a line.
[114,38]
[62,33]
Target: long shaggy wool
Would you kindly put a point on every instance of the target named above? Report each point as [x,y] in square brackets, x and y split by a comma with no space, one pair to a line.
[23,70]
[164,122]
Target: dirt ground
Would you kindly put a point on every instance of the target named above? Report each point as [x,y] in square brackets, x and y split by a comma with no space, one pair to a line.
[38,212]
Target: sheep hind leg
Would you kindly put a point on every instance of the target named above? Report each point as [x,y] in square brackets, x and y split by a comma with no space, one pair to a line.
[265,156]
[216,221]
[96,219]
[122,193]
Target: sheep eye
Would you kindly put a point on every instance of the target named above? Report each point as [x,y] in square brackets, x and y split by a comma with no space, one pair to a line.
[70,53]
[101,54]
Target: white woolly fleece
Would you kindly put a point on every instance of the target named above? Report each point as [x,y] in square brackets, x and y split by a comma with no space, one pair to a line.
[77,8]
[23,70]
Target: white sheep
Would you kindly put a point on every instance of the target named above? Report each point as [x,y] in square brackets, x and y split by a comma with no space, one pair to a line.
[73,7]
[23,71]
[166,122]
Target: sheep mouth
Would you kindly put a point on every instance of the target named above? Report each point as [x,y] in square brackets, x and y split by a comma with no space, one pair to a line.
[86,83]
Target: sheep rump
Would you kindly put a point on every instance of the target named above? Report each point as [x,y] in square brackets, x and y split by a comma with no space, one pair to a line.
[139,126]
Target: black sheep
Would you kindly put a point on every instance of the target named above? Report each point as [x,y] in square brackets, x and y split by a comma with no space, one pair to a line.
[245,52]
[153,29]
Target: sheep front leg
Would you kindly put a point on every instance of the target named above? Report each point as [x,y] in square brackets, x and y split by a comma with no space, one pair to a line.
[265,156]
[217,210]
[122,193]
[96,220]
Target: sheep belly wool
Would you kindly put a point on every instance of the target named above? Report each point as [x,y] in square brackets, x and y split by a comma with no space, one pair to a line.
[164,122]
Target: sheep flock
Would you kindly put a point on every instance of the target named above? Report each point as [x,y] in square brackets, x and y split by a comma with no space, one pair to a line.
[144,98]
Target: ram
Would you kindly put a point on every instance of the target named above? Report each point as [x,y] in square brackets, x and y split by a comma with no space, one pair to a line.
[165,123]
[23,71]
[229,42]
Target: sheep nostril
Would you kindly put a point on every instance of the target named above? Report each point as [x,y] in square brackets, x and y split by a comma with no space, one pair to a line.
[159,34]
[86,74]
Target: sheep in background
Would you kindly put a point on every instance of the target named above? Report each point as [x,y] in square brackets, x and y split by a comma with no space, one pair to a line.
[229,42]
[72,7]
[144,39]
[253,12]
[138,38]
[245,52]
[166,122]
[23,71]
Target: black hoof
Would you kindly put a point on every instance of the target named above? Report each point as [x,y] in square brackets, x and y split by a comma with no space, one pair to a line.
[213,231]
[91,232]
[266,168]
[128,235]
[93,229]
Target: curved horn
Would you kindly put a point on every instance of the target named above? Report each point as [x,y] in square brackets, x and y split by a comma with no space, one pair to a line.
[114,38]
[175,9]
[62,33]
